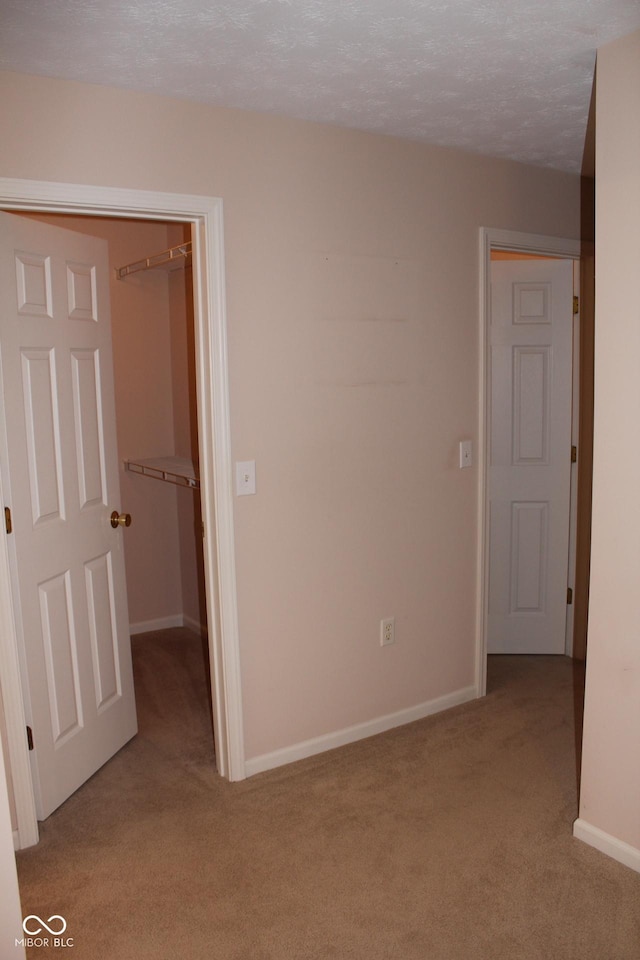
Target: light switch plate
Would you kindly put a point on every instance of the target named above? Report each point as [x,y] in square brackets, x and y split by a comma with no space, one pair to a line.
[245,477]
[466,454]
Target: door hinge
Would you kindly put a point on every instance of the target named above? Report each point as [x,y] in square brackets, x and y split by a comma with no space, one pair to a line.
[576,305]
[7,520]
[569,595]
[30,737]
[574,454]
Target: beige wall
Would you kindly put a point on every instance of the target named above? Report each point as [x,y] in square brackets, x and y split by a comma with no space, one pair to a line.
[610,791]
[144,412]
[352,290]
[185,428]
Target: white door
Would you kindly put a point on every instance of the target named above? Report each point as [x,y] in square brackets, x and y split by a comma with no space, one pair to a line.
[530,464]
[60,468]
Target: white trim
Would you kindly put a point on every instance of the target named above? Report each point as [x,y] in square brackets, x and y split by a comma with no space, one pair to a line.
[167,623]
[14,707]
[605,843]
[216,473]
[162,623]
[518,242]
[205,213]
[309,748]
[494,239]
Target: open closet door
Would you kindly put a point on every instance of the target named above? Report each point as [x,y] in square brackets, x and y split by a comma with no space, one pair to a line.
[59,463]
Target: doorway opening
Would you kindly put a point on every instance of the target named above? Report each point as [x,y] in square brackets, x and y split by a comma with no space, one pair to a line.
[204,218]
[507,244]
[152,332]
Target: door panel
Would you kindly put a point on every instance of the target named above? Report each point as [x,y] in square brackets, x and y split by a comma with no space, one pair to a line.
[61,472]
[528,574]
[101,603]
[42,423]
[531,405]
[87,409]
[530,468]
[61,657]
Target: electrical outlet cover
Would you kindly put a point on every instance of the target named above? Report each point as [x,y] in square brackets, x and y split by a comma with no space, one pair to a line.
[387,631]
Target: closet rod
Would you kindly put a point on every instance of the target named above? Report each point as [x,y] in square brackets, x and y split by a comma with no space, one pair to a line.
[170,469]
[170,259]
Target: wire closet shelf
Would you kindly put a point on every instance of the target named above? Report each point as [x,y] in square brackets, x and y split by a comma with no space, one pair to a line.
[170,259]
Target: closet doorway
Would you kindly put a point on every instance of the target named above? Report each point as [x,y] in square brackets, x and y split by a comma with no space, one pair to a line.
[510,246]
[157,426]
[203,215]
[152,328]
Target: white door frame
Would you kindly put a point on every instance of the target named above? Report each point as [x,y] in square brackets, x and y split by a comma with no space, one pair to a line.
[495,239]
[205,214]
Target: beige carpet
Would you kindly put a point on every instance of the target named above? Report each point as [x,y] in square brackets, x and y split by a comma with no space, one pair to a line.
[448,839]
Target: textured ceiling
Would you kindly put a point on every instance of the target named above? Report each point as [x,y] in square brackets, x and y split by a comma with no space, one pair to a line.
[509,78]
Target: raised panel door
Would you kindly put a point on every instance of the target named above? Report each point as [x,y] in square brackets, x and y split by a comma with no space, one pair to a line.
[60,468]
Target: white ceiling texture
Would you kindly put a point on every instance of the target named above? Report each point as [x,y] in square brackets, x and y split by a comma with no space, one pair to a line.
[508,78]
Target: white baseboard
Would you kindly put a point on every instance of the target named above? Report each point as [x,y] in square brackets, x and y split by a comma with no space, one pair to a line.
[166,623]
[194,625]
[605,843]
[309,748]
[162,623]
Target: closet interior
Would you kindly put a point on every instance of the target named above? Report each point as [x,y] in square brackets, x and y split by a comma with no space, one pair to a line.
[171,468]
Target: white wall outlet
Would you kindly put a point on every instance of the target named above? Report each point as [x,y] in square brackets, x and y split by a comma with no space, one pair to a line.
[387,631]
[466,454]
[245,477]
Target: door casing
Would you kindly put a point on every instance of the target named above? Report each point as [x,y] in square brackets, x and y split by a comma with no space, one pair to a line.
[496,239]
[205,216]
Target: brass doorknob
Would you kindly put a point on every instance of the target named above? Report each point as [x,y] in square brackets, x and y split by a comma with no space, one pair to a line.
[120,519]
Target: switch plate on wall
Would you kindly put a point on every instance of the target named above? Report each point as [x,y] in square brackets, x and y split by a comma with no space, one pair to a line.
[466,455]
[245,477]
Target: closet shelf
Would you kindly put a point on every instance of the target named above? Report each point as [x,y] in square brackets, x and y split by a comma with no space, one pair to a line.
[176,470]
[169,259]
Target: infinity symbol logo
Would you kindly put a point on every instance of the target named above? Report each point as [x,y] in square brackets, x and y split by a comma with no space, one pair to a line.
[52,930]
